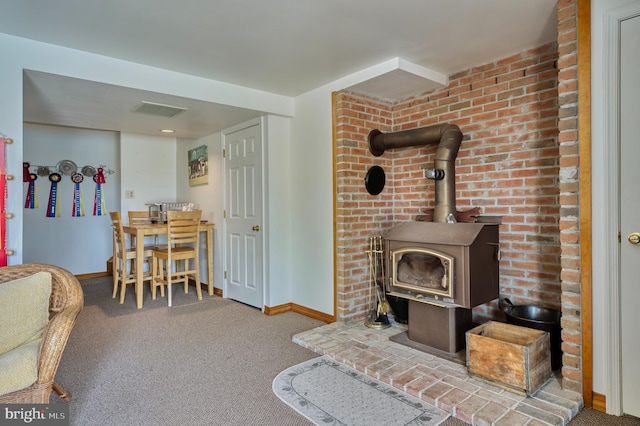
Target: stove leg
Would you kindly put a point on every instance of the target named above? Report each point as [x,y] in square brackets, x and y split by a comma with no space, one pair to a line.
[442,328]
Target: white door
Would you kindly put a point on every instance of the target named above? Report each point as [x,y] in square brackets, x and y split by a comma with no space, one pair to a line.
[243,211]
[630,213]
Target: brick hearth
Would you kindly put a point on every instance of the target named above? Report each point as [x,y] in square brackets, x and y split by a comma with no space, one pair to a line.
[437,381]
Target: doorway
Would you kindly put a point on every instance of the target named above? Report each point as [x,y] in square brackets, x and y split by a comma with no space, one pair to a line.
[629,217]
[621,107]
[243,213]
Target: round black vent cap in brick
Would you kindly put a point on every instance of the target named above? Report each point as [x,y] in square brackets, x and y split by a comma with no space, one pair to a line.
[374,180]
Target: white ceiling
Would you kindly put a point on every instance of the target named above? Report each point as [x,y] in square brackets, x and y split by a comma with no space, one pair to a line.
[286,47]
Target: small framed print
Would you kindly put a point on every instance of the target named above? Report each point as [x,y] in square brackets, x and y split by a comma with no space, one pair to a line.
[198,166]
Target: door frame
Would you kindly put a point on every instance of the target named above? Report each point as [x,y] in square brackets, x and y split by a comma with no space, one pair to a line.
[611,223]
[261,122]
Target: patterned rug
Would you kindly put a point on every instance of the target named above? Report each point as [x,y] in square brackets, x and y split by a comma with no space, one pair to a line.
[330,393]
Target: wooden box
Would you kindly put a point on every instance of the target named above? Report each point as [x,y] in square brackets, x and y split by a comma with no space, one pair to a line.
[509,356]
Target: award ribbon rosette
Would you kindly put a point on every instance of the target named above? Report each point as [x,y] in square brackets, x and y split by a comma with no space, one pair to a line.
[25,171]
[52,206]
[31,202]
[78,203]
[99,208]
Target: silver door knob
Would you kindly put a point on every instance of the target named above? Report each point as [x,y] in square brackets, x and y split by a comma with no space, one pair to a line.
[256,228]
[634,238]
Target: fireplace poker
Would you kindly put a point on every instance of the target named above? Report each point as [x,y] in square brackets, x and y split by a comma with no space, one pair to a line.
[383,305]
[381,321]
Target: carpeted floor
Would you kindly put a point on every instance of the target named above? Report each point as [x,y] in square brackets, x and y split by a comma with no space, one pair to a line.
[198,363]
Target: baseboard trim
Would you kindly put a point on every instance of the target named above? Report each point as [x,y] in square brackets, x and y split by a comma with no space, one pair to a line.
[205,287]
[599,402]
[302,310]
[93,275]
[268,310]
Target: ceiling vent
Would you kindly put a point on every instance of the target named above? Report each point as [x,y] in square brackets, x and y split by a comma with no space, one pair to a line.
[159,109]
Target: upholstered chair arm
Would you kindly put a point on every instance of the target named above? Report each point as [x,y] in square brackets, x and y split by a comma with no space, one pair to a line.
[65,303]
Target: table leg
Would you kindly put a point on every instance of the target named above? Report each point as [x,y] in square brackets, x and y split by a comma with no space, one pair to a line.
[210,259]
[139,266]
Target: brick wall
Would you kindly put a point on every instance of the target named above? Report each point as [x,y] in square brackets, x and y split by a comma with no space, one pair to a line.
[507,165]
[569,193]
[519,159]
[358,214]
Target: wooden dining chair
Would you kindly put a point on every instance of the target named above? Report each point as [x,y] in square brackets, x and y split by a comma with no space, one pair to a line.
[183,236]
[124,258]
[140,218]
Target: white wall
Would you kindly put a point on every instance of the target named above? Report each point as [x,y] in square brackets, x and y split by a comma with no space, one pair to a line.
[312,202]
[144,164]
[148,168]
[20,54]
[207,198]
[302,206]
[80,244]
[312,194]
[278,232]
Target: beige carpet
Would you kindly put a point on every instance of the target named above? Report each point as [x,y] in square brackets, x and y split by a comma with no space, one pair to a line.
[211,362]
[197,363]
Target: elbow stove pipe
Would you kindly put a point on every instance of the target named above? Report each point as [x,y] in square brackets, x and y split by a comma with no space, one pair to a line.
[448,137]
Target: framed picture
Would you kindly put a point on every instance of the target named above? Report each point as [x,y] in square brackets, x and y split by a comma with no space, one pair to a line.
[198,166]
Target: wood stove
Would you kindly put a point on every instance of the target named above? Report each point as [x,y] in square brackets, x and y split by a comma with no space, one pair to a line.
[443,268]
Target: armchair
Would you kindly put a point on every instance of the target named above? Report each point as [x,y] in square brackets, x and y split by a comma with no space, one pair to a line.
[65,302]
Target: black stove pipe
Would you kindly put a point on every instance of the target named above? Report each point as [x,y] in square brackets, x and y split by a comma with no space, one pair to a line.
[448,137]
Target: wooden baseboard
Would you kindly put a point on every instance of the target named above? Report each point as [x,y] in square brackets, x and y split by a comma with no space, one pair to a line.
[277,310]
[599,402]
[268,310]
[302,310]
[93,275]
[205,287]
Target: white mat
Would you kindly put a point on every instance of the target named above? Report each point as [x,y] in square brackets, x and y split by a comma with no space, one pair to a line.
[330,393]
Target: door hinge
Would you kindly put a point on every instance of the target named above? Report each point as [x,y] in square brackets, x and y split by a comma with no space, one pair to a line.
[225,275]
[619,237]
[224,153]
[224,214]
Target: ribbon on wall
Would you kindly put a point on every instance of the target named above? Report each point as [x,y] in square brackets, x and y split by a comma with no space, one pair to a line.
[78,202]
[99,208]
[25,172]
[31,202]
[52,206]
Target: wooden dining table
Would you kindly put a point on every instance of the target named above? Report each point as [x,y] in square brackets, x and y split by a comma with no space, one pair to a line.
[139,231]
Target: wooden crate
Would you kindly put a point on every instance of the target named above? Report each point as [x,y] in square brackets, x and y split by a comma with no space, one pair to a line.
[509,356]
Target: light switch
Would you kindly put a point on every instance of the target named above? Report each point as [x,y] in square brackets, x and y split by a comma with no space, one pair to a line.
[129,193]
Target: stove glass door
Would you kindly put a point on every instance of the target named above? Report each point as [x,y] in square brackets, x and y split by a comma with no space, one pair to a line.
[422,271]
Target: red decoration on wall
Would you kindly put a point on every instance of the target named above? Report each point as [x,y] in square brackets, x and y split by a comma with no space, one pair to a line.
[3,194]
